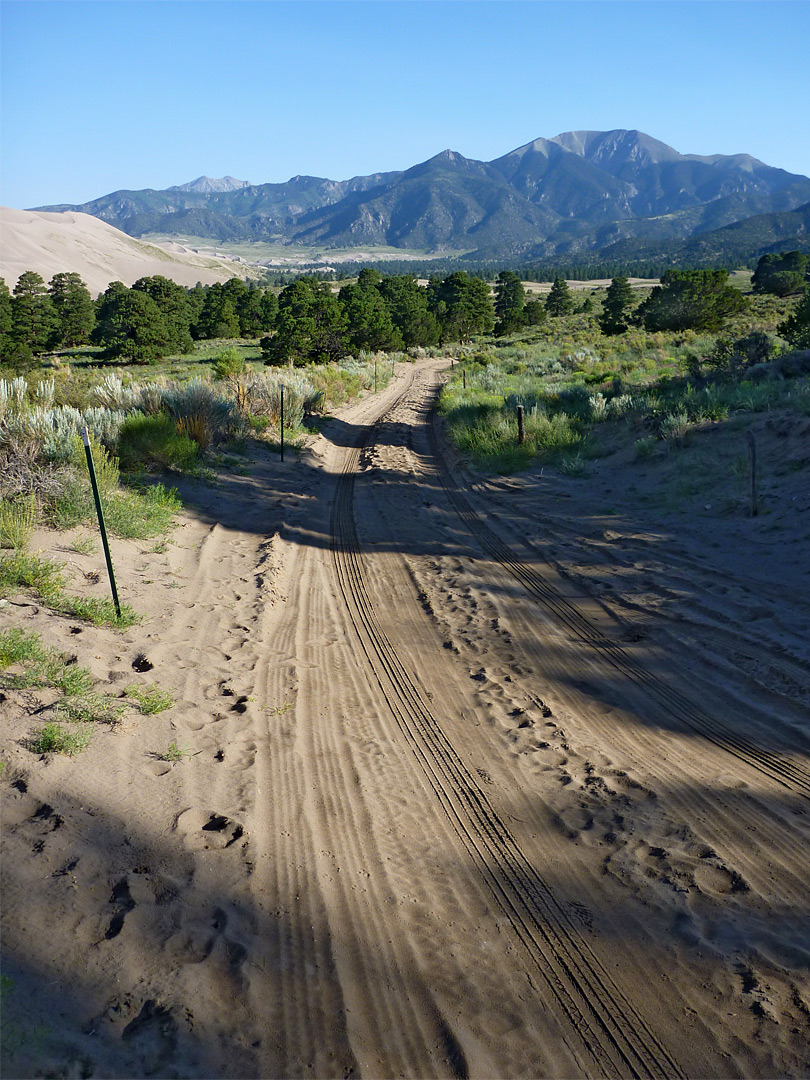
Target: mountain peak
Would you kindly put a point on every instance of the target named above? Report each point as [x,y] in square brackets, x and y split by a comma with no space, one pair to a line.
[617,145]
[204,185]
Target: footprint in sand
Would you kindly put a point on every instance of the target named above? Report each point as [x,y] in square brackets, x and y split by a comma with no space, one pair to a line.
[718,880]
[203,831]
[152,1035]
[122,900]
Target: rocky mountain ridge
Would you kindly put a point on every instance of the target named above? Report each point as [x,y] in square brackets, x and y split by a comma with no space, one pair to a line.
[578,192]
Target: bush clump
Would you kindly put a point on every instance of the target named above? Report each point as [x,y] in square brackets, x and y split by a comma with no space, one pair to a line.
[154,441]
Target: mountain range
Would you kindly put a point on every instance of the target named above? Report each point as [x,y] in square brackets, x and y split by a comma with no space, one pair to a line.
[580,192]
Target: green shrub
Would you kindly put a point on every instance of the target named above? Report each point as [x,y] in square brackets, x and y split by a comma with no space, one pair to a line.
[674,425]
[201,412]
[644,447]
[230,362]
[572,465]
[154,441]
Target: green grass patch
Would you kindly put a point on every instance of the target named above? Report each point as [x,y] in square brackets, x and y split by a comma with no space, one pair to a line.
[155,442]
[91,708]
[18,519]
[27,664]
[39,666]
[54,738]
[129,514]
[150,700]
[44,578]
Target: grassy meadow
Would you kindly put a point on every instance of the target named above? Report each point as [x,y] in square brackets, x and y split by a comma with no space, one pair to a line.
[586,394]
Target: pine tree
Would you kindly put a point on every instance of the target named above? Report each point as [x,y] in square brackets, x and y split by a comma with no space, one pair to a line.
[130,325]
[368,319]
[559,300]
[691,300]
[173,303]
[5,308]
[796,329]
[462,304]
[34,322]
[74,308]
[510,298]
[615,317]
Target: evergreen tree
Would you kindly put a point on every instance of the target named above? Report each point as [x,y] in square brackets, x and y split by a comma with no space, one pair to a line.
[130,325]
[782,274]
[173,303]
[534,312]
[310,326]
[14,355]
[407,303]
[268,310]
[74,308]
[369,278]
[796,329]
[615,317]
[34,321]
[510,299]
[369,323]
[691,300]
[559,301]
[5,308]
[218,318]
[196,302]
[462,305]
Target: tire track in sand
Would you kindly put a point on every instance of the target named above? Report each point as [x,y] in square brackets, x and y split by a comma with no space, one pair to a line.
[612,1038]
[789,774]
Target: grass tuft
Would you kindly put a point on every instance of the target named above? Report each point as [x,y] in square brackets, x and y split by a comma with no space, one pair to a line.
[44,578]
[174,753]
[91,708]
[56,739]
[18,519]
[150,700]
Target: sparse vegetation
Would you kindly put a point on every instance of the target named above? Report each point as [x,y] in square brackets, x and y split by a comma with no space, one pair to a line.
[54,738]
[174,753]
[27,664]
[18,518]
[45,580]
[587,392]
[150,700]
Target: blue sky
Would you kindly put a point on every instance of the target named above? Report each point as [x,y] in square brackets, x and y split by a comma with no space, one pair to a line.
[103,95]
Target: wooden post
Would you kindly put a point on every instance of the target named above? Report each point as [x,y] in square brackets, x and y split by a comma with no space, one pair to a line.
[752,474]
[464,379]
[521,425]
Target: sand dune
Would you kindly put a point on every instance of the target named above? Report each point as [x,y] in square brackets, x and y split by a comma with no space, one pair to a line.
[70,242]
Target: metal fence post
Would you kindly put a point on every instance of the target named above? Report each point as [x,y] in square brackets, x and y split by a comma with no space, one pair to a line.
[100,513]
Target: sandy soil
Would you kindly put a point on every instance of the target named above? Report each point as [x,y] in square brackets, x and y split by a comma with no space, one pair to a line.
[51,243]
[488,778]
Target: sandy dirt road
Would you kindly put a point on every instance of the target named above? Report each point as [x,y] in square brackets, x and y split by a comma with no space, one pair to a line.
[452,810]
